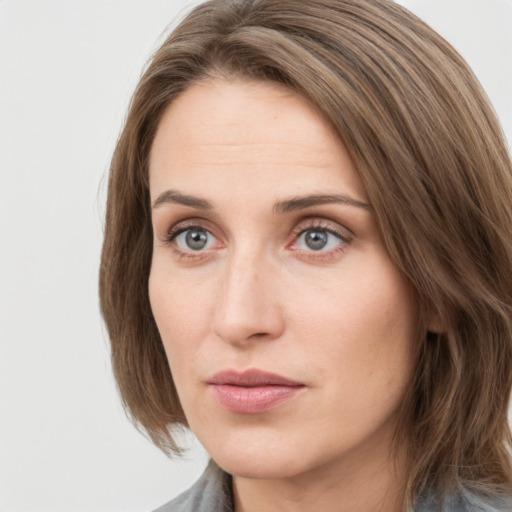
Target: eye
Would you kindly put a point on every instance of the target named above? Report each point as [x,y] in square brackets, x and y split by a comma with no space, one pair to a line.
[194,239]
[315,239]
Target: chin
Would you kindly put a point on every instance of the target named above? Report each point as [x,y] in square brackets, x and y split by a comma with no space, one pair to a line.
[269,458]
[261,467]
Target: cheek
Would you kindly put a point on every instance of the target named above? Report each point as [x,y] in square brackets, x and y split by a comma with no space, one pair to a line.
[363,326]
[181,309]
[386,338]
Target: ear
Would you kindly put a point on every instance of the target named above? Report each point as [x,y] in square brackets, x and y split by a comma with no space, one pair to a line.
[436,324]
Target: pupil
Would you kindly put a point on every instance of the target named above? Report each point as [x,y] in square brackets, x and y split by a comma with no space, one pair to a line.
[316,240]
[196,239]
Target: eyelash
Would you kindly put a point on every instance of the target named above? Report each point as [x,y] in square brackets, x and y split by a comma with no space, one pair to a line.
[178,229]
[301,228]
[345,239]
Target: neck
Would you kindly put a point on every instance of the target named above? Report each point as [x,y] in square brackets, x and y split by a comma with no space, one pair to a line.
[356,484]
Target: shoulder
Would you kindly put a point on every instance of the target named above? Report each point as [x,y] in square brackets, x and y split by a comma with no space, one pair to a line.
[497,503]
[211,493]
[464,500]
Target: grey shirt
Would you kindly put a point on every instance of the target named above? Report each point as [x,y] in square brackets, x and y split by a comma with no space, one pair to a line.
[213,493]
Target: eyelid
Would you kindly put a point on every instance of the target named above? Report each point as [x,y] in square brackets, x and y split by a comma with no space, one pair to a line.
[180,226]
[323,224]
[177,228]
[344,234]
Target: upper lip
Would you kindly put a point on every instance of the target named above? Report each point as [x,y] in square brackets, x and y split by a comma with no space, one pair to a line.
[251,378]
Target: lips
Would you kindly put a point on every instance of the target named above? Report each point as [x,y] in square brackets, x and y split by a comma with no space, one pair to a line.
[253,391]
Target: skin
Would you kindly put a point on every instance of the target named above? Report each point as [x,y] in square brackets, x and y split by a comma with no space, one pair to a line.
[341,320]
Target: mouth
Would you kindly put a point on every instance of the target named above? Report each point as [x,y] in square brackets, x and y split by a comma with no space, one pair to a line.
[252,391]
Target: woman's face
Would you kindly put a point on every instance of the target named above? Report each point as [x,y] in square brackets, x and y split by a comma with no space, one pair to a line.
[289,332]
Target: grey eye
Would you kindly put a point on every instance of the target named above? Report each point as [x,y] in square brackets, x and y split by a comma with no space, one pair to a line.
[317,240]
[195,239]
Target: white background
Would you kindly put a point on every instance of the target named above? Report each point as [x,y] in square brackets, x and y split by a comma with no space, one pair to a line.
[67,70]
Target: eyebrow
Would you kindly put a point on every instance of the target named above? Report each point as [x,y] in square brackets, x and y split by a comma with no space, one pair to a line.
[300,203]
[172,196]
[289,205]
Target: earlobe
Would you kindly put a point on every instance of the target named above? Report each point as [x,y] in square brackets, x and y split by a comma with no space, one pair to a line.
[436,323]
[435,328]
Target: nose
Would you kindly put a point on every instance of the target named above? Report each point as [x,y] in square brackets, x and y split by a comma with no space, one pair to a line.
[248,306]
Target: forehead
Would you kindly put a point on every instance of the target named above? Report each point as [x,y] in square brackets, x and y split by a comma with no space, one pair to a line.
[237,134]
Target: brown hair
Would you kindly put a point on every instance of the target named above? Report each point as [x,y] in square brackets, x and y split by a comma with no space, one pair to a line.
[432,156]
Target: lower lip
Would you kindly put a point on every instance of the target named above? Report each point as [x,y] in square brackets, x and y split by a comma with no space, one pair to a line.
[253,400]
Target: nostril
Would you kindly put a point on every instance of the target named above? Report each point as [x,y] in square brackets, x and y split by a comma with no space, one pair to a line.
[259,335]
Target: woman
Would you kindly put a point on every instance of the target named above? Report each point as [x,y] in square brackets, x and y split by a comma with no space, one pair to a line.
[308,261]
